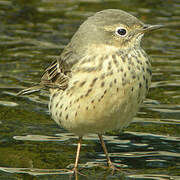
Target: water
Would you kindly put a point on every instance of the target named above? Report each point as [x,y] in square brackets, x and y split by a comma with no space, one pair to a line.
[32,146]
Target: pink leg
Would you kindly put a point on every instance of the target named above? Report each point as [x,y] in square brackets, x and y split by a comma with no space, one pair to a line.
[105,151]
[77,153]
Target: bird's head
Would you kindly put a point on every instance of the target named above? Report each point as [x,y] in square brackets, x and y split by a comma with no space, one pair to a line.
[112,27]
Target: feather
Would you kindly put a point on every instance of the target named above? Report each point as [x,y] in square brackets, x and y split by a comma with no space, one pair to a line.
[30,90]
[55,76]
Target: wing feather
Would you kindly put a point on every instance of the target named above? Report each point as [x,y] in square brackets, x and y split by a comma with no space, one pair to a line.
[55,76]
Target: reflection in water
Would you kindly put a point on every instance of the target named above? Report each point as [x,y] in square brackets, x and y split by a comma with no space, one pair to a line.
[35,172]
[32,34]
[139,154]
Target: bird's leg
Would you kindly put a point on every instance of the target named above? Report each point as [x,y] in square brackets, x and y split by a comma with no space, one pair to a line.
[77,154]
[75,171]
[105,151]
[110,164]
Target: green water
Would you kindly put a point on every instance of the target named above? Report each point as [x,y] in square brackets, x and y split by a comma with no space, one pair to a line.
[32,33]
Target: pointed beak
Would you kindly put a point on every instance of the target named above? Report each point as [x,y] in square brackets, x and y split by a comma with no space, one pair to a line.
[149,28]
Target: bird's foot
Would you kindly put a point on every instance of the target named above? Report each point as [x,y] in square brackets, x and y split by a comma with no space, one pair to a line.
[75,170]
[113,167]
[75,173]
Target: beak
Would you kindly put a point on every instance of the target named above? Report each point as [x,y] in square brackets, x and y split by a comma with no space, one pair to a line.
[148,28]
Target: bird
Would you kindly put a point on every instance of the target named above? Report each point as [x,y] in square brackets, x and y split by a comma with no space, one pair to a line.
[101,78]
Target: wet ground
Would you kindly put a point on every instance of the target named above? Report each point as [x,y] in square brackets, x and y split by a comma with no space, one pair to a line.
[33,147]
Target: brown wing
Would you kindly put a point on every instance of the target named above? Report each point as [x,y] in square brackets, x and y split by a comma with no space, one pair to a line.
[57,74]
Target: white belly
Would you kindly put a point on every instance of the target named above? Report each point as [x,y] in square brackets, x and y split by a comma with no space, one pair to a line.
[104,108]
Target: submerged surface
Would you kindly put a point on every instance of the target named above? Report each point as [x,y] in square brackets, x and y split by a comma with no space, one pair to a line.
[32,146]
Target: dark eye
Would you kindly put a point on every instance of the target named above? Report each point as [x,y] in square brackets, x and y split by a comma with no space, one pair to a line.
[121,31]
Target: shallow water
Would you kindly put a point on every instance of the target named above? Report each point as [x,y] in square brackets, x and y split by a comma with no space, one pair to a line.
[32,146]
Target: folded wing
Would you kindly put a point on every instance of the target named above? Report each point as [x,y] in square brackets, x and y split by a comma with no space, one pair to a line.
[55,76]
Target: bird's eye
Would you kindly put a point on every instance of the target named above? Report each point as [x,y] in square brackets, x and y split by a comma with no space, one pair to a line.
[121,31]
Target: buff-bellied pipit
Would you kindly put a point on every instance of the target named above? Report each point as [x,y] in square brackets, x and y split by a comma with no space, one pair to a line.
[101,77]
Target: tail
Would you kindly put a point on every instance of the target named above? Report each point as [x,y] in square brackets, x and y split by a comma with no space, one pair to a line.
[30,90]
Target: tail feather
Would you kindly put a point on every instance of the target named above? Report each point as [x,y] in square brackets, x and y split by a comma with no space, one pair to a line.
[30,90]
